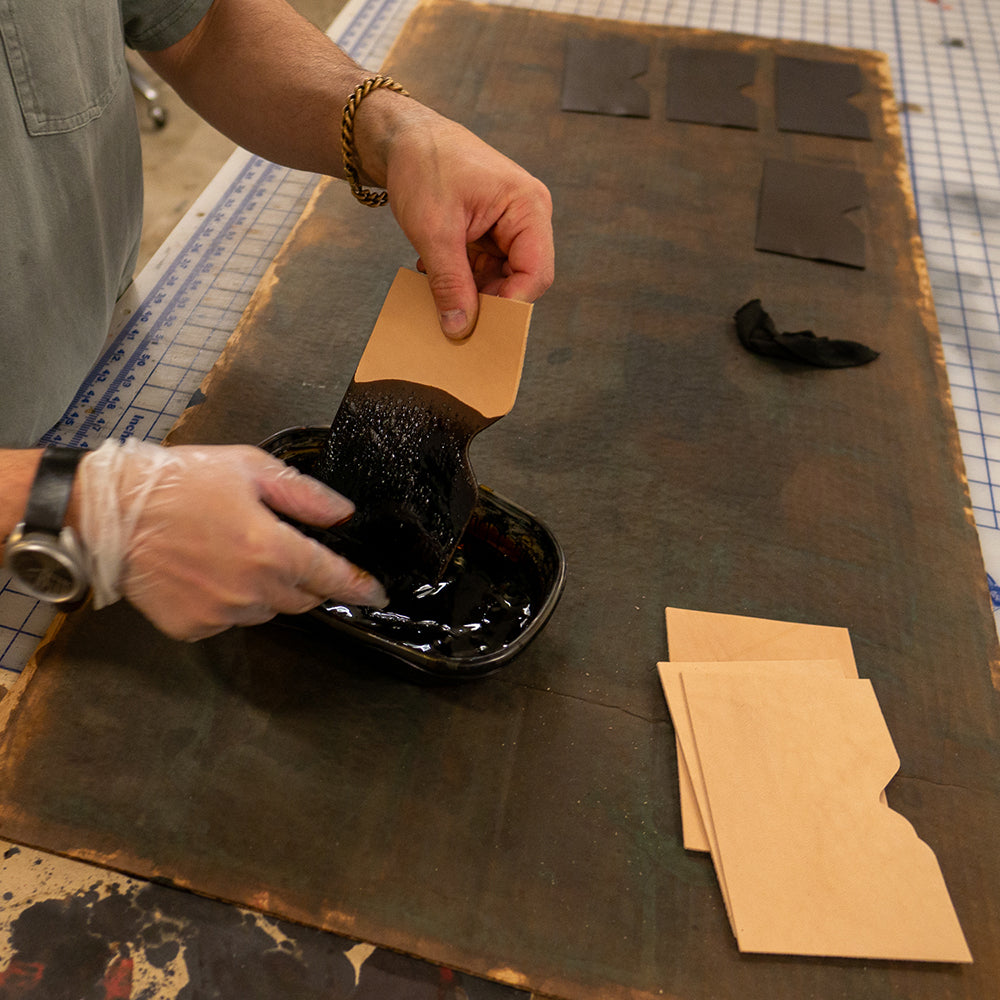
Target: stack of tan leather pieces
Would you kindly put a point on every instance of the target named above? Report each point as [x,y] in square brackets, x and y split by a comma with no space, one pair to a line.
[783,758]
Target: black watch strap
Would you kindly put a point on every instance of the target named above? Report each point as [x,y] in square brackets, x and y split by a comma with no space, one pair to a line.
[52,488]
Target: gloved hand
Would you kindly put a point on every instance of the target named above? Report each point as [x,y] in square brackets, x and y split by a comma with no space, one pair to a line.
[188,535]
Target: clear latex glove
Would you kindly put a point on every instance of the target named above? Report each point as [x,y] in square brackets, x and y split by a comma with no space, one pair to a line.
[188,535]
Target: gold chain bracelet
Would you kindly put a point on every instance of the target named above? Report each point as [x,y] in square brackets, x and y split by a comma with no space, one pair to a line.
[352,162]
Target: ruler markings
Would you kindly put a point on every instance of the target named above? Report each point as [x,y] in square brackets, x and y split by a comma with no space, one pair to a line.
[126,366]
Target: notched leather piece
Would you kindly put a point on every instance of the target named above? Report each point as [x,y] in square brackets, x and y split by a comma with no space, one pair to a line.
[803,212]
[705,86]
[813,95]
[599,77]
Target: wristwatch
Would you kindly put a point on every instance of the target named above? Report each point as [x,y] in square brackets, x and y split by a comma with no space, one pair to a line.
[45,557]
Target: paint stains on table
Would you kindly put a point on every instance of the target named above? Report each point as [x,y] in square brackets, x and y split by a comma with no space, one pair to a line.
[69,931]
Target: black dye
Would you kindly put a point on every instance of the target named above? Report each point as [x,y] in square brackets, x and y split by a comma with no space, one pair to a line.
[400,451]
[491,599]
[481,605]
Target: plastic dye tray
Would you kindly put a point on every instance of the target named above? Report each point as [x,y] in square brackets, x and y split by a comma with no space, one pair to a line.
[496,595]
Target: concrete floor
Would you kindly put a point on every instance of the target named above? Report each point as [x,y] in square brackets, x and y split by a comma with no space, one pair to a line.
[181,158]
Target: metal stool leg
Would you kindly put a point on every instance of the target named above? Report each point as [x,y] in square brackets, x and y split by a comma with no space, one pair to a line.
[157,113]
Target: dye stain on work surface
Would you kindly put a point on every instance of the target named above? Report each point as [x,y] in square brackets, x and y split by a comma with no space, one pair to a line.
[113,938]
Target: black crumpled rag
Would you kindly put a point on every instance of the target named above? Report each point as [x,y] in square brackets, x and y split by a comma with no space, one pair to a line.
[759,335]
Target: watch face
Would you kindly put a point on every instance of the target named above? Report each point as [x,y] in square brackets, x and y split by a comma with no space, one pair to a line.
[44,574]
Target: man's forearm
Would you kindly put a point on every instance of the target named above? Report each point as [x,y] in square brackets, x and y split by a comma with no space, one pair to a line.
[274,83]
[278,86]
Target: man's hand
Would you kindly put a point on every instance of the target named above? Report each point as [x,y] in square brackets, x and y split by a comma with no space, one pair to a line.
[479,222]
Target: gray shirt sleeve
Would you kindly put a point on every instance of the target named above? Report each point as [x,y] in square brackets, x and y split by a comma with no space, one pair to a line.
[156,24]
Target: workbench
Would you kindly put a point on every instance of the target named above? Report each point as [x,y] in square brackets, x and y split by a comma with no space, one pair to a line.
[250,170]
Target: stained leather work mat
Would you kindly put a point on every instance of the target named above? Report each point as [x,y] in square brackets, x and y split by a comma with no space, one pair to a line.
[526,827]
